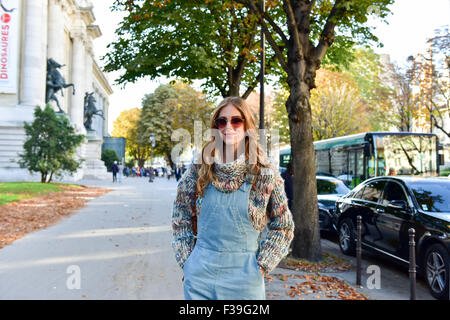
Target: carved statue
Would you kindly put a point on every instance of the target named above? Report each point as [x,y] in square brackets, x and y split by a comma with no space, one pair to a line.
[90,110]
[4,8]
[55,82]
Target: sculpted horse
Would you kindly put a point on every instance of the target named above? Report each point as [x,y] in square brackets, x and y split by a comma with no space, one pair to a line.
[55,83]
[90,110]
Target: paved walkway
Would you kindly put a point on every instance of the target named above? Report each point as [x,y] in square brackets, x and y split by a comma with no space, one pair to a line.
[119,245]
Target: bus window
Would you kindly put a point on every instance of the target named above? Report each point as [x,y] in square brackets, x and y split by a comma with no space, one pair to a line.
[323,162]
[284,160]
[406,155]
[339,162]
[356,167]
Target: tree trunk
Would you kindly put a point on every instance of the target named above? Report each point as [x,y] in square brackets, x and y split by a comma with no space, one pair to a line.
[43,177]
[234,88]
[306,243]
[141,162]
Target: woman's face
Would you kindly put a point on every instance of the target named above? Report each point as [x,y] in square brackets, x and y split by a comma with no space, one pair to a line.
[233,132]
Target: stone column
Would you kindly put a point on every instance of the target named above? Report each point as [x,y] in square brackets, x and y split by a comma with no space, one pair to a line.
[56,36]
[89,62]
[105,122]
[78,78]
[34,68]
[56,42]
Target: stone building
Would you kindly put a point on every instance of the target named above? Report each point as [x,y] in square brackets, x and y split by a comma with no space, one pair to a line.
[34,31]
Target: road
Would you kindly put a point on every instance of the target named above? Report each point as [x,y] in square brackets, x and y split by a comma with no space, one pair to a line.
[117,247]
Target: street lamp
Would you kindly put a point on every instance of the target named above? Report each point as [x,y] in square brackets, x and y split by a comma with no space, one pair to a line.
[152,139]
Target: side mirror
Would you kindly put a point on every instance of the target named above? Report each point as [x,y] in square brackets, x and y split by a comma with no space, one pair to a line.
[398,204]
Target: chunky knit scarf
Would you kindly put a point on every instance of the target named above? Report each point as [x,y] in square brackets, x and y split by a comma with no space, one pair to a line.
[230,175]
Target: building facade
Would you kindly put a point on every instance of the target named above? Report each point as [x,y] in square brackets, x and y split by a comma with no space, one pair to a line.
[34,31]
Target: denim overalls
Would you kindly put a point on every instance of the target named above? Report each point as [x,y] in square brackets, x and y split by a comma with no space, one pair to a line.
[223,264]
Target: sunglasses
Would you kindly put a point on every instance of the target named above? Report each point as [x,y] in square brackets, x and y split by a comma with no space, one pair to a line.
[236,122]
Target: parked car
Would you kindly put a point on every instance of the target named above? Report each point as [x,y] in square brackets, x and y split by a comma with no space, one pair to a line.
[389,207]
[329,189]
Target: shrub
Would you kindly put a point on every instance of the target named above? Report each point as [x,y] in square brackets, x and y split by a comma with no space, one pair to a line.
[108,157]
[50,145]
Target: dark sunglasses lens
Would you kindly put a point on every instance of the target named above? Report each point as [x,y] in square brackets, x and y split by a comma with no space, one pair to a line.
[236,122]
[221,123]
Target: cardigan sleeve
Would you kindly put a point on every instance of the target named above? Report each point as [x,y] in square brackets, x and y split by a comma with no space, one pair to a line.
[182,226]
[280,228]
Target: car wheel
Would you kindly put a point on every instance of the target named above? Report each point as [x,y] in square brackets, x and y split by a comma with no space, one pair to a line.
[437,271]
[347,237]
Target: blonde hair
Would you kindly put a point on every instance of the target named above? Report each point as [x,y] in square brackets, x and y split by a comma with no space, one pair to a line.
[206,170]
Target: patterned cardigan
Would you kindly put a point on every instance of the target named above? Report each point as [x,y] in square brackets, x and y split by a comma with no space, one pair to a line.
[267,207]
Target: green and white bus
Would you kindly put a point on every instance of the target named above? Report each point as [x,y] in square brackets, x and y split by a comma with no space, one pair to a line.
[355,158]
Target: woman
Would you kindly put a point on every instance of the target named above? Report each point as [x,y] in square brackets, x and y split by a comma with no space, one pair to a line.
[235,194]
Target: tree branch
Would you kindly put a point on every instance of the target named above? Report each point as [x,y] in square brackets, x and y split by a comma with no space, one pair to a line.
[252,6]
[268,18]
[258,78]
[292,25]
[327,35]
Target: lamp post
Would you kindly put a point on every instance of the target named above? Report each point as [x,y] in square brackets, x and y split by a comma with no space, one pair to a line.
[262,72]
[152,139]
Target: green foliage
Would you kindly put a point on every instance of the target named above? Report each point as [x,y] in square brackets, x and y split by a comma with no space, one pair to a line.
[171,107]
[216,41]
[50,145]
[367,70]
[127,126]
[108,157]
[279,115]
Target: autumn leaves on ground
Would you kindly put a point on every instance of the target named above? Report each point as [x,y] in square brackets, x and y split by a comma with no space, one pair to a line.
[26,207]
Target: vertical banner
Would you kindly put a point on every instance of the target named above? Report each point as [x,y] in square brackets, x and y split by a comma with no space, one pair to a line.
[9,35]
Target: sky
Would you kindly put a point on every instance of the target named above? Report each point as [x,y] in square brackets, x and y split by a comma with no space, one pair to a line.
[409,26]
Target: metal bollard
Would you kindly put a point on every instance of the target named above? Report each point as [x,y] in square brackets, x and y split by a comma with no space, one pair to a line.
[358,251]
[412,264]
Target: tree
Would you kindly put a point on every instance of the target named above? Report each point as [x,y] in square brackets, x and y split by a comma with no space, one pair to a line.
[314,28]
[337,107]
[368,71]
[432,77]
[127,126]
[280,117]
[403,102]
[216,41]
[108,157]
[50,145]
[171,107]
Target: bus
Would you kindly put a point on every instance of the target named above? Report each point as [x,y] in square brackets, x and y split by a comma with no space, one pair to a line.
[355,158]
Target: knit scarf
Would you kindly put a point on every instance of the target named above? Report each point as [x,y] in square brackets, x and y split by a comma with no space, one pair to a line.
[230,175]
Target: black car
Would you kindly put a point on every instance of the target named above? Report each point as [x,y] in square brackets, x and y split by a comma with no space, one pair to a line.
[329,189]
[389,207]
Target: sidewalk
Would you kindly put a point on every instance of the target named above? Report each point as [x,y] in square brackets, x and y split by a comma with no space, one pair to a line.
[116,247]
[283,284]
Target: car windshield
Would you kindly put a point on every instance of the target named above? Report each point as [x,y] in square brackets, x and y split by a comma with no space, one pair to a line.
[432,196]
[331,187]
